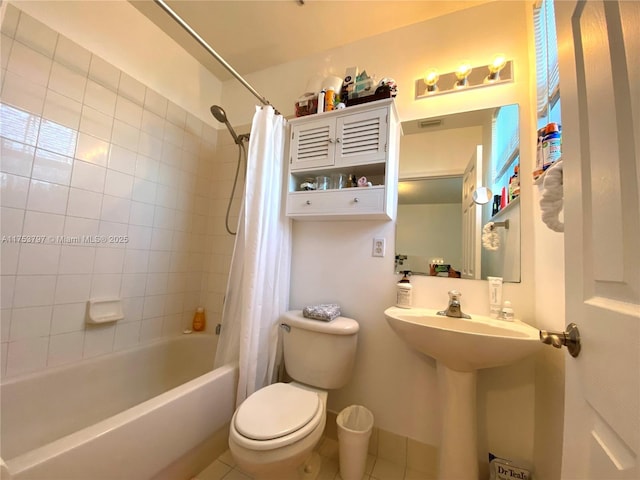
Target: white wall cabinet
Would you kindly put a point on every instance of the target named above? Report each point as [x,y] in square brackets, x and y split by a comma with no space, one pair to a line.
[360,141]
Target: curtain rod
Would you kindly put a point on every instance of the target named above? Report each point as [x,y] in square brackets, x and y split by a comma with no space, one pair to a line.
[213,53]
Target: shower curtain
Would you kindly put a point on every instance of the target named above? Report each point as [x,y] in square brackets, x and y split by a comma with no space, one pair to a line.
[258,286]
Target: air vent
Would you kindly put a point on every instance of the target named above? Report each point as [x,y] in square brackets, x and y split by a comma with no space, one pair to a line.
[429,123]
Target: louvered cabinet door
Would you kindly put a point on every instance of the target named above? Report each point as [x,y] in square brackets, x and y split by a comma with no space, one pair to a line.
[313,144]
[362,137]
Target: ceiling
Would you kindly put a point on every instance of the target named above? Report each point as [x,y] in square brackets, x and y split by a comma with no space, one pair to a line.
[254,35]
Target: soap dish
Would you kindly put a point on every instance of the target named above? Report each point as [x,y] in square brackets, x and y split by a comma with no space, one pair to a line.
[104,310]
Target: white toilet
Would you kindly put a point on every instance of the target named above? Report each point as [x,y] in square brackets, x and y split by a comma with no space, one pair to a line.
[274,431]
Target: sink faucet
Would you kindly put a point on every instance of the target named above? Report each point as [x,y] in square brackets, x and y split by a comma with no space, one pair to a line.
[454,310]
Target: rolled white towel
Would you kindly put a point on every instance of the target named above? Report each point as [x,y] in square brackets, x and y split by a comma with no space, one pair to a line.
[490,237]
[551,202]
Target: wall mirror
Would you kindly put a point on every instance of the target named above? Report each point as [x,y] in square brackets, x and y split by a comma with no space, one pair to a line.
[440,229]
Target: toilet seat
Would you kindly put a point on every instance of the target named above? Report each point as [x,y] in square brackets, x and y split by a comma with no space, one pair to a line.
[276,416]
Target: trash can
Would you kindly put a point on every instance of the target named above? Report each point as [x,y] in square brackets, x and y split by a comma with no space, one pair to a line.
[354,429]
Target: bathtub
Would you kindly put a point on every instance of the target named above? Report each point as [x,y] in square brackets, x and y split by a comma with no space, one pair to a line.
[154,411]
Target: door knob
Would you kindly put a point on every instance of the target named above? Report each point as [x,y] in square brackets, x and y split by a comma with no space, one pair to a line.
[569,338]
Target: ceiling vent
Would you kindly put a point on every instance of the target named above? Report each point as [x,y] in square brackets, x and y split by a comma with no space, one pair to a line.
[430,123]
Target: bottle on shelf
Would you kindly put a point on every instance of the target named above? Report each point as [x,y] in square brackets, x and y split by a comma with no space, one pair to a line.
[199,320]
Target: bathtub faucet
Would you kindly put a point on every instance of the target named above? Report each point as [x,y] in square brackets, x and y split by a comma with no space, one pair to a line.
[454,310]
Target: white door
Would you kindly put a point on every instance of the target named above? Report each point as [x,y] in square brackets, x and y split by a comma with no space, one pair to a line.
[471,217]
[599,48]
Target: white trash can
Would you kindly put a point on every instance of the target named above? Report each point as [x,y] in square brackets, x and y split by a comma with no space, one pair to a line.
[354,429]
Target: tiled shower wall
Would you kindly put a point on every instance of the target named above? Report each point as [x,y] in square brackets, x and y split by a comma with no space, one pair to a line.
[108,190]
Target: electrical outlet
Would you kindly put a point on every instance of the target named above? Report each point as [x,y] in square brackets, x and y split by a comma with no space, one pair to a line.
[378,247]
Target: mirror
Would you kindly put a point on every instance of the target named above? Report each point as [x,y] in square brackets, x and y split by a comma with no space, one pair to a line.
[457,196]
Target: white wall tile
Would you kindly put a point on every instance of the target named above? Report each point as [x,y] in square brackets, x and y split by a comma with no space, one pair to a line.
[152,123]
[68,318]
[67,82]
[38,259]
[157,284]
[22,93]
[115,209]
[30,322]
[176,115]
[136,261]
[159,261]
[98,340]
[127,335]
[118,184]
[173,134]
[62,110]
[36,35]
[83,203]
[52,167]
[155,102]
[153,306]
[76,259]
[151,329]
[96,123]
[15,157]
[128,111]
[133,285]
[65,348]
[10,20]
[28,63]
[141,214]
[47,197]
[132,89]
[139,237]
[7,290]
[166,196]
[34,290]
[109,260]
[5,325]
[72,289]
[161,239]
[92,149]
[101,98]
[132,308]
[27,355]
[113,229]
[105,285]
[72,55]
[11,221]
[6,43]
[104,73]
[19,125]
[88,176]
[150,146]
[39,223]
[122,159]
[147,168]
[125,135]
[57,138]
[171,154]
[194,126]
[10,254]
[144,191]
[78,227]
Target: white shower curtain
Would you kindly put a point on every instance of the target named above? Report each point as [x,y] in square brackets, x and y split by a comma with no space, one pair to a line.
[258,287]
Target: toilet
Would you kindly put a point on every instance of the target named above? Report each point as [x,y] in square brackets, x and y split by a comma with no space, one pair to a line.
[274,431]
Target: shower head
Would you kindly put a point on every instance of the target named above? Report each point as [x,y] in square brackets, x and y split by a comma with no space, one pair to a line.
[221,116]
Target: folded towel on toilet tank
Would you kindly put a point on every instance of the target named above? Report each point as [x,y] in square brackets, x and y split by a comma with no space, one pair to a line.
[325,312]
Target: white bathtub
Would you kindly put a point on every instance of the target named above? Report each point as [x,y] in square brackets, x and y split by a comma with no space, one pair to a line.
[153,411]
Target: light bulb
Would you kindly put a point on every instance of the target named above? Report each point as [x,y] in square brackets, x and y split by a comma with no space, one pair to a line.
[462,72]
[495,67]
[431,79]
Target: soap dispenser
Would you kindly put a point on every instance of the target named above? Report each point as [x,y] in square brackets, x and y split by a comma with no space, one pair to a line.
[403,291]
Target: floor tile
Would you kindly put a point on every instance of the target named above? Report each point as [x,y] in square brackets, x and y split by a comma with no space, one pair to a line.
[386,470]
[216,471]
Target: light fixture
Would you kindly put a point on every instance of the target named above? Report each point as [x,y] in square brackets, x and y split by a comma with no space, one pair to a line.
[431,79]
[495,68]
[465,77]
[462,73]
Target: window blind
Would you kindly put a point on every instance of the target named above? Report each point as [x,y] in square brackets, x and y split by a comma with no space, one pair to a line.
[547,71]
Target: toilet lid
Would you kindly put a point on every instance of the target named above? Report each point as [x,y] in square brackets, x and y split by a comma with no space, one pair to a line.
[276,411]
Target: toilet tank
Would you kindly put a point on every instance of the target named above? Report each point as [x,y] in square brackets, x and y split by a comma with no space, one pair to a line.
[317,353]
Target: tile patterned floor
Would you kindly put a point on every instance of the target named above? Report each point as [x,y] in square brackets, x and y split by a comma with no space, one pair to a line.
[224,467]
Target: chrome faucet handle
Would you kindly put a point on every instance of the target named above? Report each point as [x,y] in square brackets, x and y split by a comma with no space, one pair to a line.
[454,296]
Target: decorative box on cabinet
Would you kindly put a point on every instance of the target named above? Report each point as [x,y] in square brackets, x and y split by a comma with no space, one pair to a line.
[361,141]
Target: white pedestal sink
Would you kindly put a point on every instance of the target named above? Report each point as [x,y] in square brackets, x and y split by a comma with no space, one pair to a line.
[461,347]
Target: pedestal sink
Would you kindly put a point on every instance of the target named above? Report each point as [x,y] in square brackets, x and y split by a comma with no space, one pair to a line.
[461,347]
